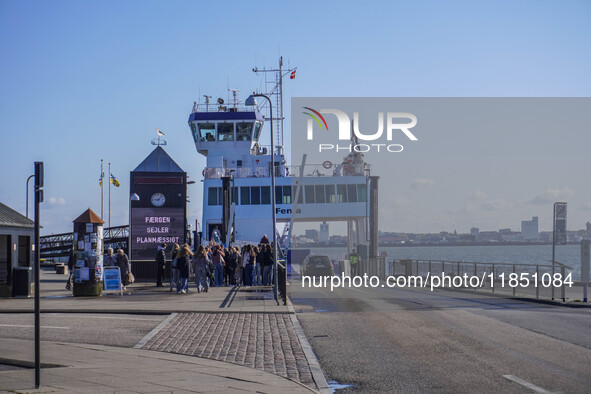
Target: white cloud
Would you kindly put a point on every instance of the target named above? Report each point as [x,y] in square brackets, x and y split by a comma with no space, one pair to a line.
[55,201]
[418,184]
[478,196]
[552,195]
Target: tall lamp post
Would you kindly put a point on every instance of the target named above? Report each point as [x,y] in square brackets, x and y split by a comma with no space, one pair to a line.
[28,179]
[251,101]
[133,197]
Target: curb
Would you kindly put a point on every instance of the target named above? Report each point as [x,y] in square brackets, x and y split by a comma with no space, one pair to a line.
[313,363]
[137,311]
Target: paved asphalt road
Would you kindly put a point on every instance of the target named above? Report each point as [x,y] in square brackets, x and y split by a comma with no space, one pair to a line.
[96,329]
[406,340]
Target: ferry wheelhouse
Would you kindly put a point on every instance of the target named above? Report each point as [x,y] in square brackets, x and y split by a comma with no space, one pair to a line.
[237,182]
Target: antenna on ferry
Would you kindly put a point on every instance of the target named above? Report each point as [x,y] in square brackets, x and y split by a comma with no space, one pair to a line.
[206,102]
[276,93]
[235,95]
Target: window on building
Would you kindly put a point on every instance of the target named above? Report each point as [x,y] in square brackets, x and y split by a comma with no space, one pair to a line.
[351,193]
[330,194]
[265,195]
[257,131]
[309,193]
[226,131]
[294,189]
[195,133]
[206,131]
[212,196]
[255,195]
[362,193]
[235,195]
[245,195]
[320,195]
[243,131]
[282,194]
[341,193]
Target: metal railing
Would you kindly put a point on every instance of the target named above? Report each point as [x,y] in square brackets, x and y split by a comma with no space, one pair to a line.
[59,245]
[282,171]
[534,280]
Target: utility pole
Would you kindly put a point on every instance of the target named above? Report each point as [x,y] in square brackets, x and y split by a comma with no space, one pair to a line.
[38,200]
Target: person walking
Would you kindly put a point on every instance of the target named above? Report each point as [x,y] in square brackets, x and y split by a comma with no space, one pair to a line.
[183,263]
[250,266]
[257,281]
[70,270]
[268,262]
[355,262]
[174,272]
[110,260]
[217,257]
[230,268]
[124,268]
[160,264]
[201,266]
[238,279]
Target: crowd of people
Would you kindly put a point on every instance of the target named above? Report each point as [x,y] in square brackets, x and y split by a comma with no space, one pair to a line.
[215,266]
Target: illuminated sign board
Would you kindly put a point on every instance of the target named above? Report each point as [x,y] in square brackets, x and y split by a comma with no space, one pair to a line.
[153,226]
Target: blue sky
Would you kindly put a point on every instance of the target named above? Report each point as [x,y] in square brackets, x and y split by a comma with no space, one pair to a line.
[81,80]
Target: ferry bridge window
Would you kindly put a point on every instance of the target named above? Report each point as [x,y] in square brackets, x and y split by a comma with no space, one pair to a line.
[330,194]
[362,193]
[226,131]
[265,195]
[282,194]
[235,195]
[320,196]
[243,131]
[245,195]
[351,193]
[309,192]
[212,196]
[255,196]
[294,189]
[206,131]
[257,131]
[341,193]
[194,131]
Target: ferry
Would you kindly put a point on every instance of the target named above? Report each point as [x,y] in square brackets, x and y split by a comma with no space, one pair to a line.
[237,206]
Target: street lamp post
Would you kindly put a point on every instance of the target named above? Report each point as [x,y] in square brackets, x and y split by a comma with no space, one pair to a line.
[251,101]
[28,179]
[133,197]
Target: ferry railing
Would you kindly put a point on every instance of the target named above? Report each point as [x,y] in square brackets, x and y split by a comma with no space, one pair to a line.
[515,279]
[330,169]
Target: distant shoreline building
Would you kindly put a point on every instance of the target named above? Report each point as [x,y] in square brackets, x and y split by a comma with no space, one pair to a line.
[529,229]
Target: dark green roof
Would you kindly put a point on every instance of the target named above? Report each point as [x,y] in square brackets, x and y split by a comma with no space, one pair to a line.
[158,161]
[11,218]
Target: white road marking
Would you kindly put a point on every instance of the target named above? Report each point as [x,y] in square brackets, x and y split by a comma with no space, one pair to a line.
[159,327]
[524,383]
[23,326]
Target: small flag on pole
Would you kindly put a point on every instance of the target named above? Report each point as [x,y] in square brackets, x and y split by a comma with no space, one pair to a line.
[101,178]
[292,75]
[114,181]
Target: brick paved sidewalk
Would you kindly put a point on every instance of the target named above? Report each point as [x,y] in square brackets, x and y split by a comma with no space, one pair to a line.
[264,341]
